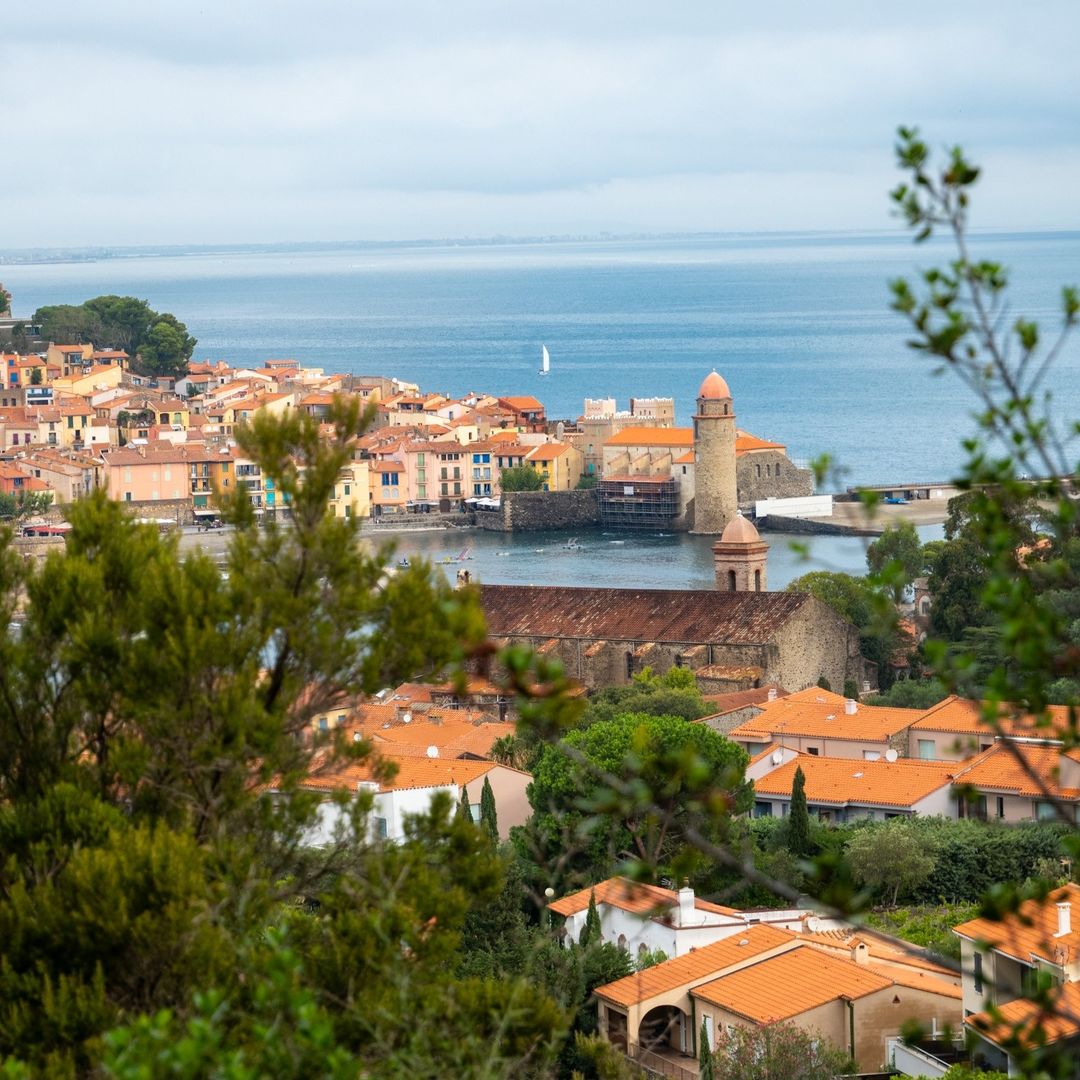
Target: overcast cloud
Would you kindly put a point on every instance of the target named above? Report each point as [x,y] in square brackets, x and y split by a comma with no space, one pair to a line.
[127,122]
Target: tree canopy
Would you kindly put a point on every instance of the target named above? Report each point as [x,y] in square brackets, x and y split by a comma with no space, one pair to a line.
[158,343]
[520,478]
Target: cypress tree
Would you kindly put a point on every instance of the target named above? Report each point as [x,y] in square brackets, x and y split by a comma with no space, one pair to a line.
[798,822]
[464,810]
[591,932]
[705,1057]
[488,817]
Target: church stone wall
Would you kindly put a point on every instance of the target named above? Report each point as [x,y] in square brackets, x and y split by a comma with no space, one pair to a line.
[815,642]
[770,474]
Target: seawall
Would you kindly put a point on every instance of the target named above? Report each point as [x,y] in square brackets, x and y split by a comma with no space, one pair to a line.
[530,511]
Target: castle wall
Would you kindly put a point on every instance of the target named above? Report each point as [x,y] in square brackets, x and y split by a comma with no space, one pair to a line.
[770,474]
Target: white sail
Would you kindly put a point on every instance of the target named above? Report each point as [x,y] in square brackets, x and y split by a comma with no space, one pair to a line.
[545,360]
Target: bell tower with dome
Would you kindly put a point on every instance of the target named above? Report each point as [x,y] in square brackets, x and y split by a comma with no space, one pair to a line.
[740,557]
[715,499]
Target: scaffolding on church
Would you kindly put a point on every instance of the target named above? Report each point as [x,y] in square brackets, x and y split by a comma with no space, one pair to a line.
[638,502]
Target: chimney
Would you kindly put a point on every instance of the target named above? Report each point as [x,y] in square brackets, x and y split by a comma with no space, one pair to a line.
[686,906]
[851,706]
[860,952]
[772,693]
[1064,910]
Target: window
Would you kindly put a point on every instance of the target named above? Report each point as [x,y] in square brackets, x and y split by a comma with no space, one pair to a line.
[127,496]
[324,724]
[871,755]
[380,828]
[927,750]
[347,489]
[813,751]
[757,581]
[629,665]
[1000,806]
[978,972]
[763,809]
[1045,811]
[731,581]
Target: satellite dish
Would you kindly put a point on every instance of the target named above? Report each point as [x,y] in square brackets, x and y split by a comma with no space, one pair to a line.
[432,751]
[406,717]
[891,754]
[777,757]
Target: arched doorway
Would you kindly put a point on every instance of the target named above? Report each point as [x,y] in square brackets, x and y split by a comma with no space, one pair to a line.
[664,1028]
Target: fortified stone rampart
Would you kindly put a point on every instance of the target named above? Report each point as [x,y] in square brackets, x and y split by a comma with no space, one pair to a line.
[770,474]
[529,511]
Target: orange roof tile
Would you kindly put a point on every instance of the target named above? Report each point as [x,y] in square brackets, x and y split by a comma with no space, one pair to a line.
[696,966]
[1030,1024]
[740,699]
[791,716]
[522,404]
[548,451]
[840,781]
[966,717]
[745,443]
[684,459]
[1031,930]
[998,769]
[784,986]
[627,895]
[412,772]
[652,436]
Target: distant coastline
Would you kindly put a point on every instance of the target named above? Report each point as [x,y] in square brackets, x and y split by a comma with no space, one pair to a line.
[98,253]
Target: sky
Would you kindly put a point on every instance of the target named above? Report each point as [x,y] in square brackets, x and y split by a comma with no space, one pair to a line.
[258,121]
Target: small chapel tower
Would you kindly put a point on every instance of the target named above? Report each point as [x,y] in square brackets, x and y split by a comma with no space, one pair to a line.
[715,494]
[740,557]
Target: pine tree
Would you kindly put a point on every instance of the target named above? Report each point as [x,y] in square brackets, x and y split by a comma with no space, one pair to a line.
[591,932]
[705,1058]
[488,817]
[798,822]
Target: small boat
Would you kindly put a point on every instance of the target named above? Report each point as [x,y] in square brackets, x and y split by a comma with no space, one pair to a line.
[404,564]
[447,560]
[545,361]
[572,544]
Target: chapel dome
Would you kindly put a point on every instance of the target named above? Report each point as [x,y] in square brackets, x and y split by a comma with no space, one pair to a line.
[714,387]
[739,531]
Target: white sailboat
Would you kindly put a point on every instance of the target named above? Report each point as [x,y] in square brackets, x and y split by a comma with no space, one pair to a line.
[545,360]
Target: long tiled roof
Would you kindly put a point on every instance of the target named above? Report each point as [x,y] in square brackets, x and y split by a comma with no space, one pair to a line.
[631,896]
[738,618]
[963,716]
[789,716]
[998,769]
[1031,1024]
[696,965]
[842,781]
[1032,929]
[652,436]
[789,984]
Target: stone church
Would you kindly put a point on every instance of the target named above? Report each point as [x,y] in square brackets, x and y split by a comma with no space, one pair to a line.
[732,640]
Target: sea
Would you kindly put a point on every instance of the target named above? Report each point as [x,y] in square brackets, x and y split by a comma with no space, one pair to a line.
[798,324]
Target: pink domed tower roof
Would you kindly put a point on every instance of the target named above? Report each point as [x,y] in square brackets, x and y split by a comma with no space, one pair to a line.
[714,387]
[740,531]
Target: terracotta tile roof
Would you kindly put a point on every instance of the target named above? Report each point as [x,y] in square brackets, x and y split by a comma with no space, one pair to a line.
[697,616]
[548,451]
[745,443]
[841,941]
[1030,1024]
[1031,930]
[997,769]
[761,754]
[452,737]
[522,404]
[652,436]
[684,459]
[729,672]
[818,695]
[412,772]
[784,986]
[631,896]
[841,781]
[698,965]
[966,717]
[789,716]
[740,699]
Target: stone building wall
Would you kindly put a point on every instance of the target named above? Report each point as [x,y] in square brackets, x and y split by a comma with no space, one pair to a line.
[815,642]
[529,511]
[770,474]
[715,489]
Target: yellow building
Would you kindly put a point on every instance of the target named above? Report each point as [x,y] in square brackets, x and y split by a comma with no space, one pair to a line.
[352,497]
[560,465]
